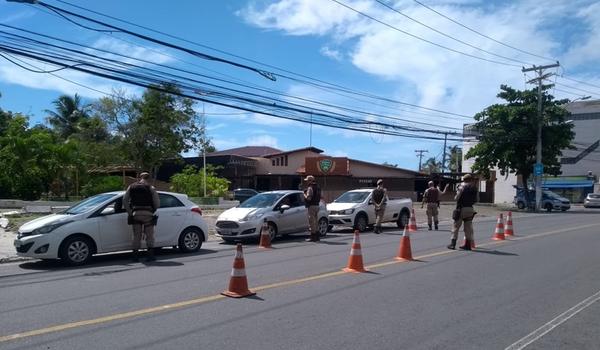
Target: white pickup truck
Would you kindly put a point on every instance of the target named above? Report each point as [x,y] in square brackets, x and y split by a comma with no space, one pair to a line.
[355,209]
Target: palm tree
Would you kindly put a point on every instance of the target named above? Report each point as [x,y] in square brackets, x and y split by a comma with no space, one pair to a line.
[431,166]
[69,112]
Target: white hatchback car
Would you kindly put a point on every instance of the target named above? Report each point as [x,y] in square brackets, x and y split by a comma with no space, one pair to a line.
[98,224]
[284,212]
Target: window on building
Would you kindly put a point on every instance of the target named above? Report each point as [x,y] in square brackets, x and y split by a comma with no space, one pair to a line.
[273,162]
[286,160]
[277,161]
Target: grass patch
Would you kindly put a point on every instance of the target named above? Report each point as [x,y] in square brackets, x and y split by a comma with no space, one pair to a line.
[15,221]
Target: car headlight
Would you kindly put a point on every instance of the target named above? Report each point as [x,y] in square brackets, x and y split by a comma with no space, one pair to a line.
[48,228]
[342,212]
[253,216]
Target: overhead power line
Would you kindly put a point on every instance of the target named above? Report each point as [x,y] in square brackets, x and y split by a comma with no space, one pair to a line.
[483,35]
[449,36]
[422,39]
[304,79]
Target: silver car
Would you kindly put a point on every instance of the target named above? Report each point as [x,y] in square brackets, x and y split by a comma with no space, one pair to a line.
[284,212]
[592,200]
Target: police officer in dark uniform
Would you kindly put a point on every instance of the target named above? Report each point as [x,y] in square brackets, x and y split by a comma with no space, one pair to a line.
[465,197]
[312,198]
[379,197]
[141,202]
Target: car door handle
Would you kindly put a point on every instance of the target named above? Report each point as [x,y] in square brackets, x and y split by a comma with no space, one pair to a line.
[175,214]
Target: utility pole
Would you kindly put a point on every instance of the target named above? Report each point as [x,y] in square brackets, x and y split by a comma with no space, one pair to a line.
[538,169]
[420,155]
[444,157]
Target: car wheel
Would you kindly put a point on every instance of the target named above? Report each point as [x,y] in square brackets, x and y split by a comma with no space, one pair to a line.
[190,240]
[323,227]
[521,205]
[548,207]
[563,210]
[360,223]
[76,251]
[272,231]
[403,219]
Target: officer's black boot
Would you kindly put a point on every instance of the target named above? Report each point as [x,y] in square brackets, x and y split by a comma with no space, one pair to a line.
[436,226]
[430,227]
[150,256]
[467,245]
[377,230]
[452,244]
[135,256]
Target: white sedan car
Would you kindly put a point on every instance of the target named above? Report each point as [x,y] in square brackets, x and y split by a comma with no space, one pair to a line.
[284,212]
[98,224]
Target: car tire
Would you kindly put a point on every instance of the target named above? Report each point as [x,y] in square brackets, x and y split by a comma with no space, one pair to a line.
[403,219]
[323,226]
[361,223]
[76,251]
[272,232]
[190,240]
[548,207]
[520,205]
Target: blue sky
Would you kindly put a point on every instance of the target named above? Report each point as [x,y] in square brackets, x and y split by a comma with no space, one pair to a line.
[324,40]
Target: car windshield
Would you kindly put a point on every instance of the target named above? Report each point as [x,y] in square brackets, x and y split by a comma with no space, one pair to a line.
[89,203]
[551,194]
[262,200]
[352,197]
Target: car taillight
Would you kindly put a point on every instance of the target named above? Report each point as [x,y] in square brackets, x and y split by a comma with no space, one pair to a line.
[197,210]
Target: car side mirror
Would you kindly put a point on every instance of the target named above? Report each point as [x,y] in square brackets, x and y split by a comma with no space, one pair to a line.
[284,208]
[108,211]
[370,202]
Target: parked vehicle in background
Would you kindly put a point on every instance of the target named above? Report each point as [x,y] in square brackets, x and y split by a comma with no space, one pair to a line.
[98,224]
[242,194]
[592,200]
[284,211]
[550,200]
[355,209]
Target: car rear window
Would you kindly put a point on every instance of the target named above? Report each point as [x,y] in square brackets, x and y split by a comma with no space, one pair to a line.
[595,196]
[168,201]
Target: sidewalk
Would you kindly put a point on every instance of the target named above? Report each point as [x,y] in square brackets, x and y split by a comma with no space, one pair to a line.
[8,253]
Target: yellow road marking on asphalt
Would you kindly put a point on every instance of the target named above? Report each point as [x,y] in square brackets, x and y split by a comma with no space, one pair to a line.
[202,300]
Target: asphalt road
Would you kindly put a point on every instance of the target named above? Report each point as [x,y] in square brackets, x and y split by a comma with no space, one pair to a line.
[538,290]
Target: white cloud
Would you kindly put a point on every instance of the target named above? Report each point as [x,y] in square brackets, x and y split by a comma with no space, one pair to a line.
[115,45]
[331,53]
[263,140]
[440,79]
[13,74]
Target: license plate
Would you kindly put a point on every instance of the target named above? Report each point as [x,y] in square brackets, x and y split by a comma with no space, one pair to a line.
[225,232]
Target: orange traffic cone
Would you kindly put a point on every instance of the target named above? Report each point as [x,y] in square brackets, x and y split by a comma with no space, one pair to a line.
[238,284]
[509,225]
[405,253]
[355,261]
[265,236]
[472,243]
[499,232]
[412,227]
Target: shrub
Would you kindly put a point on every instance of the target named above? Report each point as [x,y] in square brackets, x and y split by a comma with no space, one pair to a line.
[100,184]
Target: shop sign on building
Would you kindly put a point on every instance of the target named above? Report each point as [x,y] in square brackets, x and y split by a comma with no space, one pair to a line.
[326,166]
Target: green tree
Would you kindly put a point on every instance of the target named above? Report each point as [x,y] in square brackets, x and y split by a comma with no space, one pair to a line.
[508,134]
[455,159]
[191,182]
[431,166]
[158,126]
[69,112]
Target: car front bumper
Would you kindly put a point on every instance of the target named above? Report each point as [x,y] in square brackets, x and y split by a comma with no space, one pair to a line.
[244,230]
[341,220]
[38,246]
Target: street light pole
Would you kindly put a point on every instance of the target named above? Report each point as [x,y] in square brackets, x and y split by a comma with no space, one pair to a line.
[538,168]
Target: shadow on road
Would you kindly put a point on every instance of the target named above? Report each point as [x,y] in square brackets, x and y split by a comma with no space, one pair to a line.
[116,259]
[493,252]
